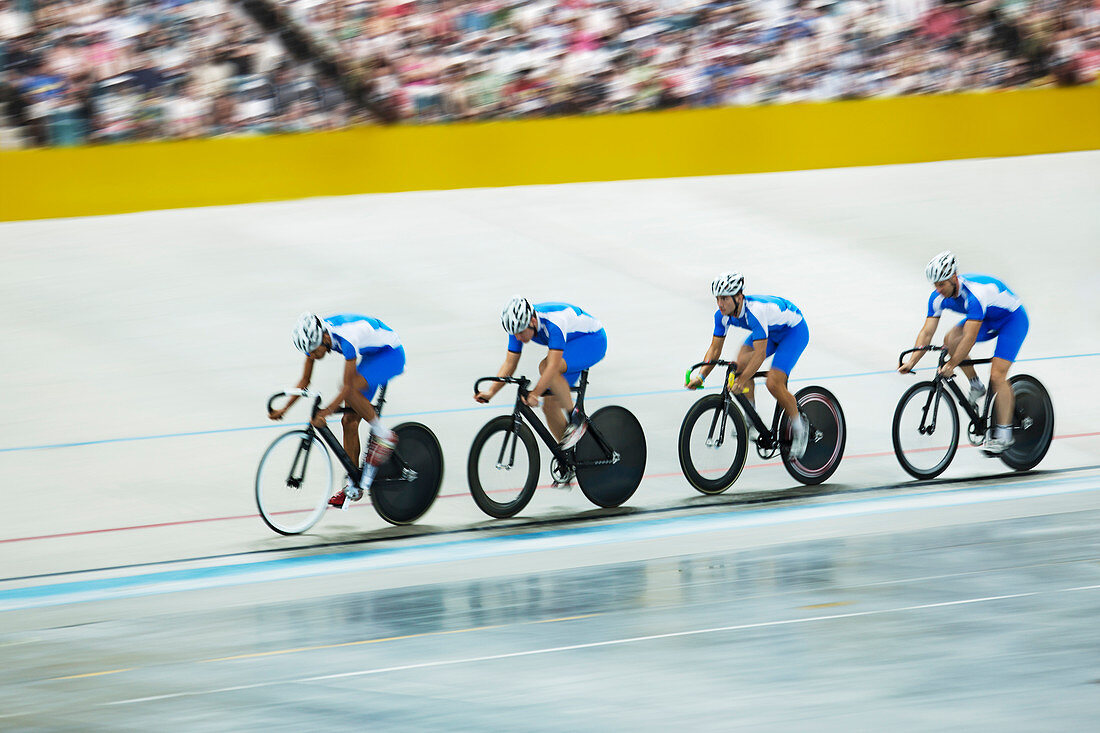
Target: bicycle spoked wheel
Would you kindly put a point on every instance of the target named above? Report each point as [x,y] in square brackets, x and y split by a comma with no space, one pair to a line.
[709,467]
[1033,423]
[928,454]
[294,482]
[610,485]
[398,496]
[828,434]
[503,467]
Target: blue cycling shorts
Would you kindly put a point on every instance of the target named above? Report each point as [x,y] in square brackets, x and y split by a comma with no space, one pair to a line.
[379,367]
[582,353]
[1009,333]
[788,348]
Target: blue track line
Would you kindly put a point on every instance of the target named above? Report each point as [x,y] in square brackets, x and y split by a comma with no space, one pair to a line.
[218,431]
[299,566]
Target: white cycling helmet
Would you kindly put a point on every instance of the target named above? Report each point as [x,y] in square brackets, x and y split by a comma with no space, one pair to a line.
[516,315]
[941,267]
[728,283]
[308,332]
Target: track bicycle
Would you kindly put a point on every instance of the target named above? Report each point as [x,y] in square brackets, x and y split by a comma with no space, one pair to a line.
[926,421]
[503,468]
[714,442]
[294,481]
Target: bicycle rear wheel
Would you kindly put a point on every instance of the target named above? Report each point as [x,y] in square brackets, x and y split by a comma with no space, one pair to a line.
[294,482]
[928,454]
[1032,423]
[401,498]
[828,434]
[611,484]
[503,468]
[709,467]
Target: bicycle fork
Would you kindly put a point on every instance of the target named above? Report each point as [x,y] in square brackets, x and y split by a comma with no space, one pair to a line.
[934,403]
[511,437]
[301,459]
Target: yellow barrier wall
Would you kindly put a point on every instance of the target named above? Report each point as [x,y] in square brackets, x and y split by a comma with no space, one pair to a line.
[136,177]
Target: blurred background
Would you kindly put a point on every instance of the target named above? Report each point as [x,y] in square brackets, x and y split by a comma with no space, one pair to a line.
[139,588]
[100,71]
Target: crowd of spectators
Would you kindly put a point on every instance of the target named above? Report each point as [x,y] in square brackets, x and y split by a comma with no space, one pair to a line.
[460,59]
[79,71]
[108,70]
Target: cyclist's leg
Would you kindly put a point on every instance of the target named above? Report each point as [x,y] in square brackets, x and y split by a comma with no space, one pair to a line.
[743,357]
[786,355]
[581,353]
[373,371]
[951,340]
[350,421]
[1009,339]
[360,400]
[557,402]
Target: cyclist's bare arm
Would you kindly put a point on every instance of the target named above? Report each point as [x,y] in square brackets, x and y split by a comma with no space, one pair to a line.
[307,375]
[924,338]
[507,369]
[713,352]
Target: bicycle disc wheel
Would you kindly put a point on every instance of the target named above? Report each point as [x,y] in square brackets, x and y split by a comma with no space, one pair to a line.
[503,467]
[398,498]
[828,434]
[1032,423]
[926,455]
[294,482]
[708,467]
[610,485]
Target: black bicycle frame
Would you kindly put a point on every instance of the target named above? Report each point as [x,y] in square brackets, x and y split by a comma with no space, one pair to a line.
[524,411]
[353,471]
[979,422]
[768,438]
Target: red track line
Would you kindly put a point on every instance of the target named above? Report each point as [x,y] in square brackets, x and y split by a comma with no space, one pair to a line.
[441,496]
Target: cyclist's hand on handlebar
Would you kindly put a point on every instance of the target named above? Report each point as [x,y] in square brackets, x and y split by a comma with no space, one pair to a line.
[695,383]
[947,370]
[905,369]
[739,384]
[531,400]
[277,414]
[483,397]
[319,418]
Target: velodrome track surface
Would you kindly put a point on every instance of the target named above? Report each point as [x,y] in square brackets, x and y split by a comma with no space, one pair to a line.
[139,351]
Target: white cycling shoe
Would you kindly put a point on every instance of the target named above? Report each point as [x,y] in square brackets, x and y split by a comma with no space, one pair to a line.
[997,446]
[800,436]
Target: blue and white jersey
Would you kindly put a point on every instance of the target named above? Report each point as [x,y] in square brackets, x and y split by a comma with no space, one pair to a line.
[558,323]
[355,335]
[980,298]
[766,316]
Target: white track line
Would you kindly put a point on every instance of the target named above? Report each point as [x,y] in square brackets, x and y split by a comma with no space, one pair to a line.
[595,644]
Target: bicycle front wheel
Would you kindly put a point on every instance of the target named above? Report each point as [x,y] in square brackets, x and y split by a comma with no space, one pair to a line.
[294,482]
[408,482]
[611,484]
[710,457]
[828,435]
[925,430]
[503,468]
[1032,423]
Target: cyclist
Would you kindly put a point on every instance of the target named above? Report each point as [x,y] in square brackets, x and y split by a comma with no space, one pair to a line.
[576,341]
[381,358]
[777,329]
[990,311]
